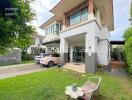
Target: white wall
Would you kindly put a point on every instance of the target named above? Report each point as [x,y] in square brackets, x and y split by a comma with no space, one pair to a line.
[104,33]
[102,52]
[103,47]
[93,32]
[88,27]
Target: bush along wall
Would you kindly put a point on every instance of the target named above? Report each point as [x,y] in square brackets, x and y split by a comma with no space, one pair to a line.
[128,44]
[128,51]
[27,57]
[128,48]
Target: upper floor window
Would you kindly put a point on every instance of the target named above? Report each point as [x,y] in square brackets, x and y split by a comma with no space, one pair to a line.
[61,25]
[75,18]
[84,14]
[40,41]
[53,29]
[57,28]
[79,16]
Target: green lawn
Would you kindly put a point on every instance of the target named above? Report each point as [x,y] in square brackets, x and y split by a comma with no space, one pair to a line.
[50,85]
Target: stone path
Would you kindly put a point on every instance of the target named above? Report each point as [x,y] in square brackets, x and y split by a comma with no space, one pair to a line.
[121,72]
[15,70]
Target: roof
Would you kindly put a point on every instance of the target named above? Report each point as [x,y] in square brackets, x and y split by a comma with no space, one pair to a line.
[64,6]
[48,22]
[51,42]
[107,14]
[117,42]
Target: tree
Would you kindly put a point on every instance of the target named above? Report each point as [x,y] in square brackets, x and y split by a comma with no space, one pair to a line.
[128,45]
[14,28]
[128,33]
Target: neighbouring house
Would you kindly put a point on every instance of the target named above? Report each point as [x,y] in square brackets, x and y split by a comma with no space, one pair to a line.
[79,31]
[37,46]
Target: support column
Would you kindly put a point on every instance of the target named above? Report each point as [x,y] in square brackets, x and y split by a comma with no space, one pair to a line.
[63,51]
[71,53]
[64,21]
[90,54]
[90,9]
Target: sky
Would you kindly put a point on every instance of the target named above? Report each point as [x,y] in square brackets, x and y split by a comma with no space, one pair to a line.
[121,16]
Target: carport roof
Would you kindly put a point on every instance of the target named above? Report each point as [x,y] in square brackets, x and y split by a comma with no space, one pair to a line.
[50,42]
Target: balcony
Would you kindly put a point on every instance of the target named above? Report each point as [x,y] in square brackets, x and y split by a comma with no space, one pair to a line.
[51,37]
[80,25]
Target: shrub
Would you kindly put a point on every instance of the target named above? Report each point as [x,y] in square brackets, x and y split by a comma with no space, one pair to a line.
[114,54]
[26,57]
[123,56]
[99,66]
[128,51]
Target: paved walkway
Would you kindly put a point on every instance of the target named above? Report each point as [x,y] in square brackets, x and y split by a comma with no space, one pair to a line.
[78,67]
[120,72]
[15,70]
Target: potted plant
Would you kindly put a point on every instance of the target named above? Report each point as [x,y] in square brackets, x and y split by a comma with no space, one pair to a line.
[74,87]
[100,68]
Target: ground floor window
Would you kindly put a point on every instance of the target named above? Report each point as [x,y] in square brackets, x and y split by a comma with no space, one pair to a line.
[78,54]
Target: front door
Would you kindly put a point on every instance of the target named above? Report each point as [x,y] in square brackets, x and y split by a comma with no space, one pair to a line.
[79,54]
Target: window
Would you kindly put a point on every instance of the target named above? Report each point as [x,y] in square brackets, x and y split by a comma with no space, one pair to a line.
[55,55]
[40,41]
[75,18]
[78,16]
[61,27]
[57,27]
[53,29]
[84,14]
[50,30]
[46,31]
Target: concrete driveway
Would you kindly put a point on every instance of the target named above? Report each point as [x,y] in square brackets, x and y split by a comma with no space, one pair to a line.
[15,70]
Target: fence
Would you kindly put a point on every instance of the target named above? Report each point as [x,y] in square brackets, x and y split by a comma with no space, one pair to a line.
[12,56]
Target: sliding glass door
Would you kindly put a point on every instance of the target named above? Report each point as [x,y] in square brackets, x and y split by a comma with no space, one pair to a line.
[79,54]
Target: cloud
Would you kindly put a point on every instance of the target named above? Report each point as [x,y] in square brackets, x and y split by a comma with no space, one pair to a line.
[41,9]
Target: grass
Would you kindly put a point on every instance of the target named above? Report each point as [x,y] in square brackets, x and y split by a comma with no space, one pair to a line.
[22,62]
[50,85]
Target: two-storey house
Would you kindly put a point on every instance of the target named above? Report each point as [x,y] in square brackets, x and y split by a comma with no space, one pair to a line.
[79,31]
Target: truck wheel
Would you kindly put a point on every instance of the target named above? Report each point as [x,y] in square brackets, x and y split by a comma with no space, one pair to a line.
[51,64]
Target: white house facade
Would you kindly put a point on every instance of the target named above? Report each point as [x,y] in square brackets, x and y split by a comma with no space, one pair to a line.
[79,30]
[36,45]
